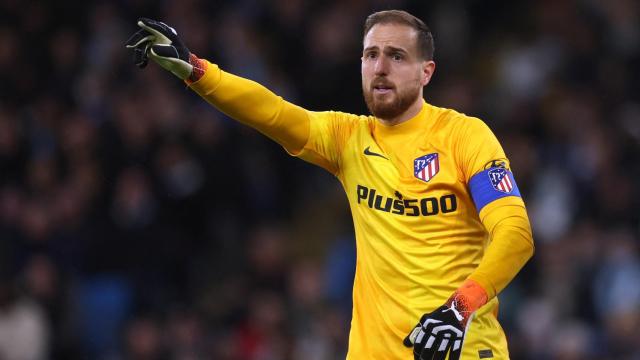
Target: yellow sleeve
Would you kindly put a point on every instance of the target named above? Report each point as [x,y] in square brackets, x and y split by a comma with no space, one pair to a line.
[317,137]
[252,104]
[476,147]
[328,134]
[504,217]
[511,244]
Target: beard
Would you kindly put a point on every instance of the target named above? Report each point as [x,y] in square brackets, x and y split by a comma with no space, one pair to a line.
[393,104]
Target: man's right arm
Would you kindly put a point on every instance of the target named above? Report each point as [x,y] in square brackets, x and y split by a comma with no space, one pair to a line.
[244,100]
[252,104]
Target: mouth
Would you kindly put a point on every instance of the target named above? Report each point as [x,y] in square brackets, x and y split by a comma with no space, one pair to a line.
[382,89]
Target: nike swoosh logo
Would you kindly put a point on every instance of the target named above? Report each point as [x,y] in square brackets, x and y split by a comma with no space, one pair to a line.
[371,153]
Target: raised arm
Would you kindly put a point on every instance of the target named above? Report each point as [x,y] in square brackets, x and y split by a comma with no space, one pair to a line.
[244,100]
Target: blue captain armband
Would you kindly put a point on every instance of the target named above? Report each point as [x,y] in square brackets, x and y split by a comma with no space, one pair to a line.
[492,184]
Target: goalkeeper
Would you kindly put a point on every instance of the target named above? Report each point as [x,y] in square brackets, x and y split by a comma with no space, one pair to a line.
[440,225]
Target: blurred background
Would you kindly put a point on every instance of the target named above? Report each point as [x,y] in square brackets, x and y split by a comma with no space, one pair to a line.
[137,222]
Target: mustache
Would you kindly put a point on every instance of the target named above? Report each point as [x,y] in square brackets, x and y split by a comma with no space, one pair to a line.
[382,82]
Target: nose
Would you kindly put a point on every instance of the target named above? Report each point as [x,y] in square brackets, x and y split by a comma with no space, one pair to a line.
[381,66]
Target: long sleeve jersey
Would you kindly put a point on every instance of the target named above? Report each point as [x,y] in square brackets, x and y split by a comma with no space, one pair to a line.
[433,200]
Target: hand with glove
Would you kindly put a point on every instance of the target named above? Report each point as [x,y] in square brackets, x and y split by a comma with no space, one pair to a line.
[441,332]
[160,42]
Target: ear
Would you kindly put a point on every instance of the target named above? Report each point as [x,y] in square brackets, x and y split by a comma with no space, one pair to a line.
[428,68]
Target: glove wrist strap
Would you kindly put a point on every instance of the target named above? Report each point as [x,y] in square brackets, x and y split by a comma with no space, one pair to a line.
[199,68]
[467,299]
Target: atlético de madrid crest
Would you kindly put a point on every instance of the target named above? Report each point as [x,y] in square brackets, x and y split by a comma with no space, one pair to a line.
[426,167]
[500,179]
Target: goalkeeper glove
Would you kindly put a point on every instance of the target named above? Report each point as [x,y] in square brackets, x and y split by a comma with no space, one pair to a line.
[442,331]
[160,42]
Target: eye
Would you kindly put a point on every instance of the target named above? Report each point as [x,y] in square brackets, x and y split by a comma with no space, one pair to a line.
[397,57]
[370,55]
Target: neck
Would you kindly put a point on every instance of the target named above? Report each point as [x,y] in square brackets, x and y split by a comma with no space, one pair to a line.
[412,111]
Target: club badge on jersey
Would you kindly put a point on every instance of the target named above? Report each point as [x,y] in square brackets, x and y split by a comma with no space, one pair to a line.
[426,167]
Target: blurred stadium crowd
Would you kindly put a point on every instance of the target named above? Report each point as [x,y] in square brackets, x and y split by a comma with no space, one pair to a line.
[136,222]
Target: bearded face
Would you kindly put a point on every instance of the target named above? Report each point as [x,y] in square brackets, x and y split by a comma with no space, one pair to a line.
[387,100]
[393,72]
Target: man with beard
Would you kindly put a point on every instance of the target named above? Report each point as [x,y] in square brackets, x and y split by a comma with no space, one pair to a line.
[440,224]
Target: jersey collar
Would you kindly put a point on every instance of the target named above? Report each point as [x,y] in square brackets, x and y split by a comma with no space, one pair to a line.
[416,124]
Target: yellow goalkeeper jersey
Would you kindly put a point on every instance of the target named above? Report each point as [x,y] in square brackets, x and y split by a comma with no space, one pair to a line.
[426,196]
[418,232]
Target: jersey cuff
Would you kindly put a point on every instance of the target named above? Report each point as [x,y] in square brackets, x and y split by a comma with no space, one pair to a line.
[209,80]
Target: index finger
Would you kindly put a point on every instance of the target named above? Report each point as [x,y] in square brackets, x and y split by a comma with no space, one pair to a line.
[158,29]
[139,38]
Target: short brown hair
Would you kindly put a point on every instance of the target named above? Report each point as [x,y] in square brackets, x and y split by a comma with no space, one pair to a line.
[425,38]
